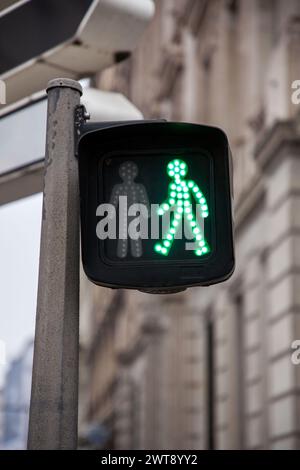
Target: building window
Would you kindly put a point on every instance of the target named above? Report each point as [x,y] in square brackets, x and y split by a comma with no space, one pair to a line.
[233,7]
[275,20]
[207,79]
[210,392]
[240,366]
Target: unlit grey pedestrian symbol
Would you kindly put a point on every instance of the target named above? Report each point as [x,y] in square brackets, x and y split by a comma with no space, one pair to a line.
[134,193]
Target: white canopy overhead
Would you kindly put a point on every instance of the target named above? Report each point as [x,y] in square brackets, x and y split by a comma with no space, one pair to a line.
[21,157]
[109,106]
[73,38]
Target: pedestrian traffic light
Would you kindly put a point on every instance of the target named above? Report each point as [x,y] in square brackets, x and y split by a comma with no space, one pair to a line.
[156,205]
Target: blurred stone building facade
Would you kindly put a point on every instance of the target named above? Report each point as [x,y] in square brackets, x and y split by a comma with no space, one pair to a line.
[210,368]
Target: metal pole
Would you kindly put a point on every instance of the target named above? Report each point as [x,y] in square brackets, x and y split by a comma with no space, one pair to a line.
[54,395]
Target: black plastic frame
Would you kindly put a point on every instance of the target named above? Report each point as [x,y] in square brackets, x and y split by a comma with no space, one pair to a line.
[95,143]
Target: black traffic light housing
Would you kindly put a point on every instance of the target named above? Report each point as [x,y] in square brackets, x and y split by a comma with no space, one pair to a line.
[145,156]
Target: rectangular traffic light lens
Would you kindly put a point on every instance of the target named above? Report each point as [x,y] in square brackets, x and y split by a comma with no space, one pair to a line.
[156,206]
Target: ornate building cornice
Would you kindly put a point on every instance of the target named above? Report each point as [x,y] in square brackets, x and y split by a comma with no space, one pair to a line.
[274,143]
[275,140]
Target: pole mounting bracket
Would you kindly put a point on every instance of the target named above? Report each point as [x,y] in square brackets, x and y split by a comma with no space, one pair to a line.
[81,116]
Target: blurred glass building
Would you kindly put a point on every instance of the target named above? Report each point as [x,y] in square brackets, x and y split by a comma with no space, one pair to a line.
[210,368]
[15,400]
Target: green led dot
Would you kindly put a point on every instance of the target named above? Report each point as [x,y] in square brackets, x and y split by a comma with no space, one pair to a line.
[204,214]
[177,169]
[196,230]
[204,207]
[193,224]
[160,211]
[171,166]
[182,165]
[195,189]
[169,237]
[157,248]
[166,207]
[175,223]
[179,203]
[173,194]
[179,196]
[176,162]
[187,210]
[177,216]
[179,188]
[180,210]
[185,189]
[199,236]
[167,243]
[190,184]
[173,186]
[172,230]
[199,195]
[164,251]
[182,173]
[186,203]
[202,200]
[186,196]
[171,173]
[190,217]
[204,249]
[199,252]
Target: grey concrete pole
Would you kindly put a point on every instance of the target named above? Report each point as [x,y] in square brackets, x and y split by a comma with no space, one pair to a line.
[54,395]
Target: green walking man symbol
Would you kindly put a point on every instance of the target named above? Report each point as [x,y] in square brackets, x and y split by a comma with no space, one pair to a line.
[180,201]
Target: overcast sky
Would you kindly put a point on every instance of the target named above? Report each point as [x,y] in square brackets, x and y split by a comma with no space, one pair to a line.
[20,224]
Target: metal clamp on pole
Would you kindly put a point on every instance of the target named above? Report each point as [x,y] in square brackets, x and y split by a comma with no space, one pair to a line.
[54,397]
